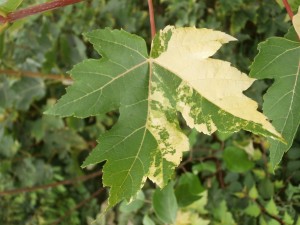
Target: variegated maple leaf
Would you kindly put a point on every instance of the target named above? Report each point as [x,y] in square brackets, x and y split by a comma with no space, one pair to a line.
[178,76]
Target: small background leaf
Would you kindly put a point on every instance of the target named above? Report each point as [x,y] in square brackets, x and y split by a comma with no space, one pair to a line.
[271,207]
[253,210]
[135,205]
[237,160]
[266,188]
[147,220]
[188,189]
[165,204]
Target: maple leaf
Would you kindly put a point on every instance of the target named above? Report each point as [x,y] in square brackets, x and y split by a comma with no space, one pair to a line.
[279,59]
[178,76]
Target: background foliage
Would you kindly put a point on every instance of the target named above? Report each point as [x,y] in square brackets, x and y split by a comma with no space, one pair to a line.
[222,180]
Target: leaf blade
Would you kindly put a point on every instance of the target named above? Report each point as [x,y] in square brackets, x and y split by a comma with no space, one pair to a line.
[165,204]
[147,141]
[279,59]
[91,86]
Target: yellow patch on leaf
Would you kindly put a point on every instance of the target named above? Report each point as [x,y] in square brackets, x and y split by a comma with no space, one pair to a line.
[215,80]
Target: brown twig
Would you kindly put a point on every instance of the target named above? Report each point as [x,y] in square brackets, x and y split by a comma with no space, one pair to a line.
[152,20]
[3,20]
[79,205]
[263,210]
[47,186]
[265,159]
[219,174]
[288,8]
[62,78]
[19,14]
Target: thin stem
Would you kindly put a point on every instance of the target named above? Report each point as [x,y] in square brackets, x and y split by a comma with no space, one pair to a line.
[152,20]
[47,186]
[62,78]
[13,16]
[288,8]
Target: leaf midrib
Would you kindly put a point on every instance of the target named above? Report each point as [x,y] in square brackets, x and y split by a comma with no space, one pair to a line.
[290,109]
[150,61]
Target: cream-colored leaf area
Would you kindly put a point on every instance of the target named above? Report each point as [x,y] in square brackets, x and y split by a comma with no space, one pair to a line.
[171,144]
[296,22]
[171,141]
[185,104]
[215,80]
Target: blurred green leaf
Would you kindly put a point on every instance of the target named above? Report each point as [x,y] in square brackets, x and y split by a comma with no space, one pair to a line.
[288,219]
[135,205]
[147,220]
[294,153]
[237,160]
[266,189]
[273,222]
[259,173]
[8,146]
[188,189]
[223,215]
[165,204]
[193,137]
[7,95]
[27,90]
[40,127]
[208,166]
[271,207]
[223,136]
[64,143]
[253,193]
[253,210]
[75,123]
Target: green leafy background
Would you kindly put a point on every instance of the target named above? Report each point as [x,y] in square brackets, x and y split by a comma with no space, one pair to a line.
[37,149]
